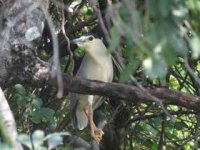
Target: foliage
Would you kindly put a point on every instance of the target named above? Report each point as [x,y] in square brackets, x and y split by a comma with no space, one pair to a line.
[38,138]
[30,106]
[156,39]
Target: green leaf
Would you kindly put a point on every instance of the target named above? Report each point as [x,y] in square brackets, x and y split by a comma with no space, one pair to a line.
[155,67]
[115,37]
[125,13]
[157,121]
[87,10]
[154,146]
[179,125]
[41,148]
[152,8]
[4,146]
[54,141]
[189,146]
[169,55]
[47,114]
[195,46]
[180,13]
[178,44]
[125,74]
[150,129]
[36,102]
[79,52]
[164,7]
[25,140]
[35,119]
[43,114]
[20,89]
[20,99]
[171,136]
[37,138]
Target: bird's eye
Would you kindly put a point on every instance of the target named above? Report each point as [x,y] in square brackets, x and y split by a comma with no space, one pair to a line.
[90,38]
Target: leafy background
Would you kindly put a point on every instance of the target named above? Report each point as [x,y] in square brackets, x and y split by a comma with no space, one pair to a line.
[158,42]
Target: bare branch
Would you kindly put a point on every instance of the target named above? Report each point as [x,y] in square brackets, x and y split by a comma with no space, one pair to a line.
[77,142]
[68,43]
[131,93]
[128,93]
[191,72]
[56,52]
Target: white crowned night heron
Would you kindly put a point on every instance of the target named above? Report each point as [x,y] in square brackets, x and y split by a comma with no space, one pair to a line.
[96,65]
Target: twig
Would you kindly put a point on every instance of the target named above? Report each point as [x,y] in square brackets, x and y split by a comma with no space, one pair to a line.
[56,52]
[68,42]
[162,133]
[147,117]
[103,27]
[182,80]
[82,24]
[197,134]
[77,142]
[116,111]
[191,72]
[197,131]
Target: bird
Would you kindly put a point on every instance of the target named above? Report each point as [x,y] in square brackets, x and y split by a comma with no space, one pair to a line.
[96,65]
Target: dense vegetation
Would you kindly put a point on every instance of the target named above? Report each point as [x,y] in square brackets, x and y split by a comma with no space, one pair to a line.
[155,45]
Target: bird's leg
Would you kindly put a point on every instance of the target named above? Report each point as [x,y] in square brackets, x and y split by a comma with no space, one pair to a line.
[96,133]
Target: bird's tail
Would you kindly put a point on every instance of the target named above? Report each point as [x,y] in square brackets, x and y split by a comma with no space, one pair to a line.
[80,119]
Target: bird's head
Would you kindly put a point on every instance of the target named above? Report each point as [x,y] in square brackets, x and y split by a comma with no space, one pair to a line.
[88,42]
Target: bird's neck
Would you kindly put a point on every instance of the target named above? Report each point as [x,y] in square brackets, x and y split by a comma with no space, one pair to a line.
[98,56]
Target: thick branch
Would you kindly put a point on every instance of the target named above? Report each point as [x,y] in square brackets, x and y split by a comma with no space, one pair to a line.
[21,19]
[131,93]
[9,122]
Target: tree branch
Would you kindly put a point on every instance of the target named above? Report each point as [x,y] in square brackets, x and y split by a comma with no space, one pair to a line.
[131,93]
[121,91]
[8,120]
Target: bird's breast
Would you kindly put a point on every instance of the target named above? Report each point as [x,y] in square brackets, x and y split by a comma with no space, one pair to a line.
[101,70]
[85,100]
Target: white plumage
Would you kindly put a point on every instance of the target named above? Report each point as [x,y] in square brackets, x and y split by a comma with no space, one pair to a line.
[96,65]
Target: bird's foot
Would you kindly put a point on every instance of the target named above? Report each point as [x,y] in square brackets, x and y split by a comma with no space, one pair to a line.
[98,134]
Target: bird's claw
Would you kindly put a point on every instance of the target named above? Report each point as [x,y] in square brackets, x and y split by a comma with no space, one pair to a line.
[98,134]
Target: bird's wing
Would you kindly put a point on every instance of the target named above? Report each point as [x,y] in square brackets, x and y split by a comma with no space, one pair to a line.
[73,101]
[98,100]
[74,98]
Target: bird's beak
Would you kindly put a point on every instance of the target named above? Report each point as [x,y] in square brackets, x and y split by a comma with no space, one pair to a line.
[78,41]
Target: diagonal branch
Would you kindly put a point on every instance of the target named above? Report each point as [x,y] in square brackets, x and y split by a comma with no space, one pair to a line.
[131,93]
[128,93]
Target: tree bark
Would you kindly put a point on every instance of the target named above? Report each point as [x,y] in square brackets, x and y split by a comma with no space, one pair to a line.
[8,122]
[119,91]
[20,20]
[131,93]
